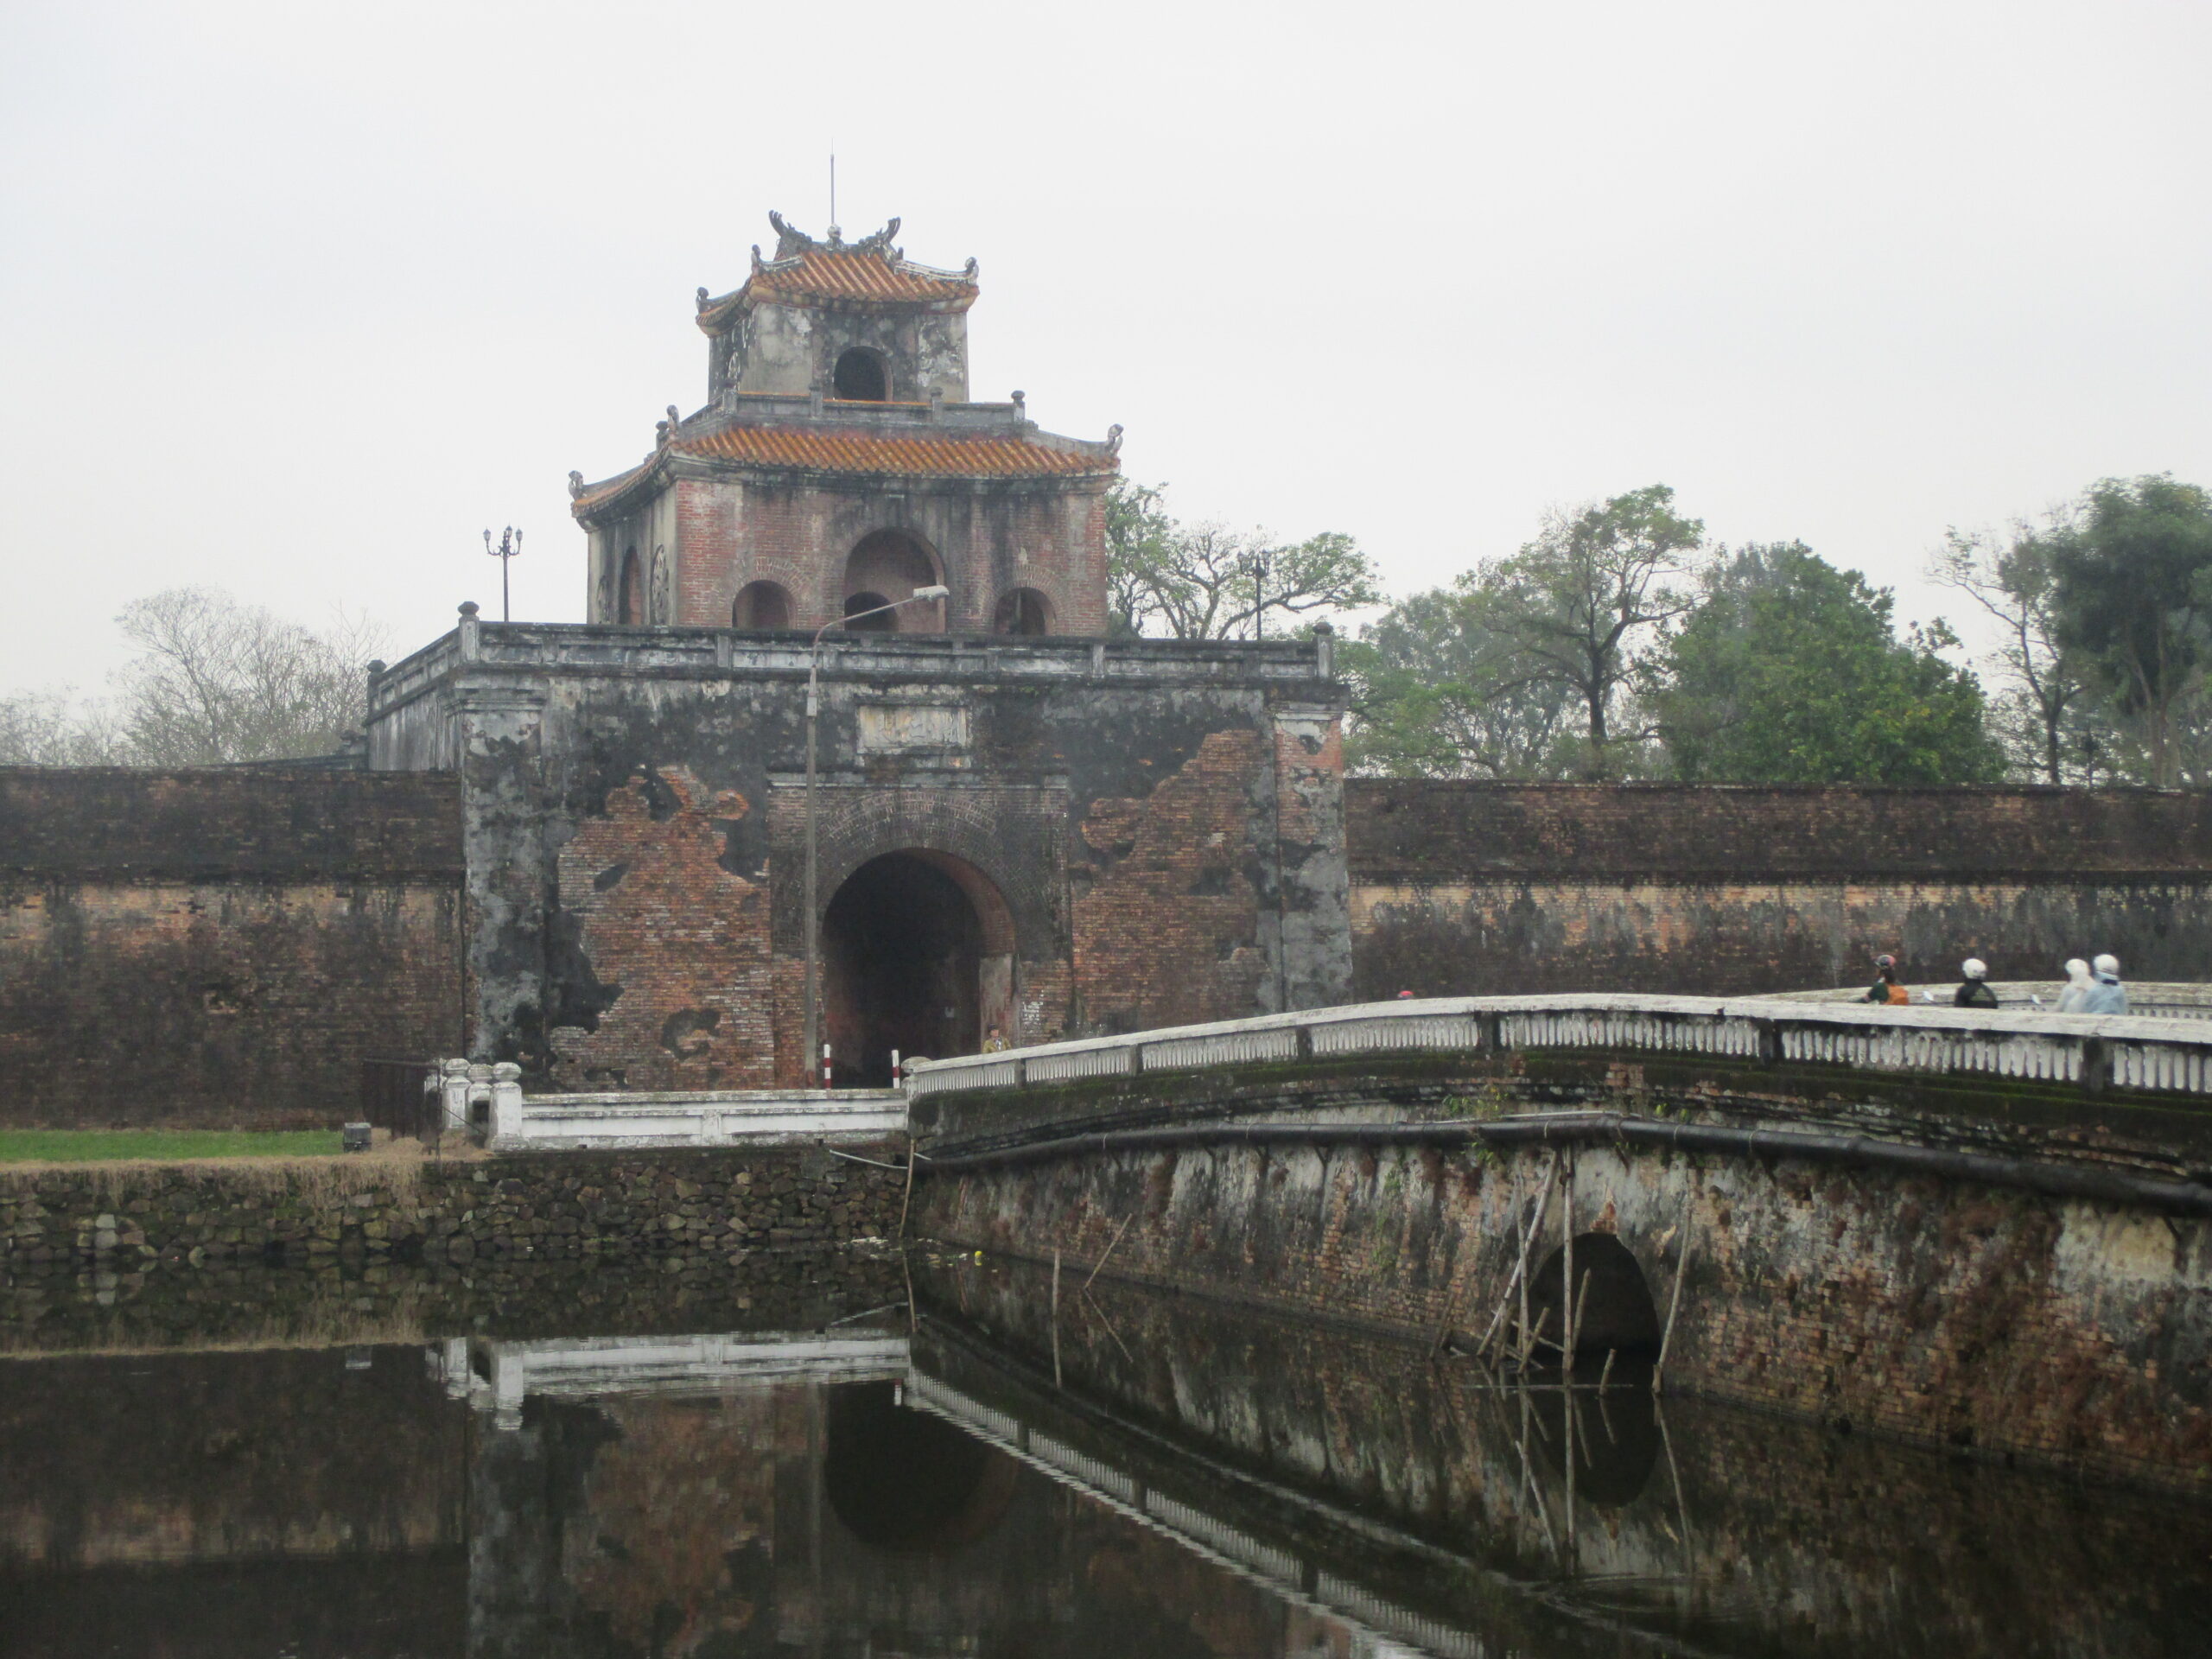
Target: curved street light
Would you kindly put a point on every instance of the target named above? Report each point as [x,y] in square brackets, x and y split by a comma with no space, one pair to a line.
[816,1050]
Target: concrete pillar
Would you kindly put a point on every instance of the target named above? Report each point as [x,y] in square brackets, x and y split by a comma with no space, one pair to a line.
[506,1102]
[454,1085]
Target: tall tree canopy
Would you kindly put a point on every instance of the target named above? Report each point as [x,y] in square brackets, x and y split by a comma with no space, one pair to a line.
[2132,579]
[1790,670]
[1208,581]
[1576,609]
[1435,693]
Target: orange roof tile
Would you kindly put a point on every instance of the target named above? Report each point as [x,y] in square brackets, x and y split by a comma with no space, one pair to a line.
[835,451]
[816,450]
[822,274]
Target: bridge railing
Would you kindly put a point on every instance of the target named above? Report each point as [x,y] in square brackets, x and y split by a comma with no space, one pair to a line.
[2094,1050]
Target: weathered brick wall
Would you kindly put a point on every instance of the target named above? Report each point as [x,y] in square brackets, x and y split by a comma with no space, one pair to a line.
[1464,888]
[220,947]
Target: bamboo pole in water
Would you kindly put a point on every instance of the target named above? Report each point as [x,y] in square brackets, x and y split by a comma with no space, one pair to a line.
[1674,1305]
[1567,1308]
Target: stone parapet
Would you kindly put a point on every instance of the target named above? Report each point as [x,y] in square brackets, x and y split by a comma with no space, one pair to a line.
[2161,1055]
[566,650]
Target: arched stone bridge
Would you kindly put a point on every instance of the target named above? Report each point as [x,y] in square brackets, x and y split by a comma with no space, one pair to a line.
[1985,1229]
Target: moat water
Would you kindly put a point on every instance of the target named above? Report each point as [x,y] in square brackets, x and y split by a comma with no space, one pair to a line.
[798,1457]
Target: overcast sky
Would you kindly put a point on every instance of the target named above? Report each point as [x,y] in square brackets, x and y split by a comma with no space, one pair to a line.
[297,299]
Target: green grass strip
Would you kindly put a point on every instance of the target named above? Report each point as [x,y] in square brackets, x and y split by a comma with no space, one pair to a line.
[102,1145]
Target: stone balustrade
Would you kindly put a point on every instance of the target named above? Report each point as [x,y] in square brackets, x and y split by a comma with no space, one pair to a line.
[2096,1052]
[493,1105]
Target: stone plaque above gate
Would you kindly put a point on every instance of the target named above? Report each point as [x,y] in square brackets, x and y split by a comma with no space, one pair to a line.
[893,727]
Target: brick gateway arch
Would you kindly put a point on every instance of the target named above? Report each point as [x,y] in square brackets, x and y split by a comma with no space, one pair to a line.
[918,956]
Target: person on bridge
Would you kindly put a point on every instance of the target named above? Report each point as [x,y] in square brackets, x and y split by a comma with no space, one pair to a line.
[1885,988]
[2107,994]
[2078,986]
[1973,991]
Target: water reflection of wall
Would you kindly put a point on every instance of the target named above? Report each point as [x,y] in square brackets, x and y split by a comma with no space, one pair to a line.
[1738,1531]
[780,1510]
[207,1503]
[1195,1483]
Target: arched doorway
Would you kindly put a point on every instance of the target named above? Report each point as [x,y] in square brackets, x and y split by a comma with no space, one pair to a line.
[917,957]
[887,566]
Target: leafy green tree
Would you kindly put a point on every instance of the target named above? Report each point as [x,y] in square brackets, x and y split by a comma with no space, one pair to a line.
[1208,581]
[1790,670]
[1435,695]
[2132,590]
[1577,610]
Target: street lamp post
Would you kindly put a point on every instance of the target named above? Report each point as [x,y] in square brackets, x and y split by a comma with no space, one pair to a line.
[816,1070]
[1257,564]
[510,547]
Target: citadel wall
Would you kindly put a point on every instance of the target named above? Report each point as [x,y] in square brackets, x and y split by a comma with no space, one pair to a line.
[1469,888]
[220,947]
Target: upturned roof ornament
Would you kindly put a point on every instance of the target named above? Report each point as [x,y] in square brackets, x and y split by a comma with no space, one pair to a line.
[575,486]
[791,242]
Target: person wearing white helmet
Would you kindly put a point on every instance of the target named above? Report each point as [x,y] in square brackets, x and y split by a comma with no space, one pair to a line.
[2078,986]
[2107,994]
[1974,991]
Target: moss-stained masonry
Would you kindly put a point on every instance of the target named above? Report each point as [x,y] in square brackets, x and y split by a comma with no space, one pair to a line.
[125,1219]
[1988,1318]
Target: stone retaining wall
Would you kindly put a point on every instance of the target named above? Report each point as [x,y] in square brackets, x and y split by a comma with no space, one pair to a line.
[128,1217]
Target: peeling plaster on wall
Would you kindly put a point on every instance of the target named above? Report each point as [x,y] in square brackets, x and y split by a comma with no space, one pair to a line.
[679,944]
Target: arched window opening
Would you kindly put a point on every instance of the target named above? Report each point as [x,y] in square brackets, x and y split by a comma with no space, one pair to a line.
[860,377]
[630,592]
[887,566]
[857,607]
[761,604]
[1023,610]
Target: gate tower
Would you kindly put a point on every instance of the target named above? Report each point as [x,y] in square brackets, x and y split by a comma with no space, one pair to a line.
[839,463]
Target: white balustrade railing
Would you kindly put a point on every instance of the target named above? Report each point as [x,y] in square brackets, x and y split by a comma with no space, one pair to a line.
[737,1118]
[2163,1054]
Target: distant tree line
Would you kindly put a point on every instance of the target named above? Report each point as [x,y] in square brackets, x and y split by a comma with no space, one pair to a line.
[1621,643]
[214,681]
